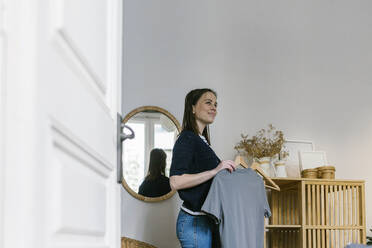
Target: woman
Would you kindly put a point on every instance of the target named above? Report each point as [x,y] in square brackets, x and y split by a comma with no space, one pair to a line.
[194,164]
[156,183]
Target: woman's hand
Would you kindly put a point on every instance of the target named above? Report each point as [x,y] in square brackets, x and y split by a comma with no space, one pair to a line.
[190,180]
[226,164]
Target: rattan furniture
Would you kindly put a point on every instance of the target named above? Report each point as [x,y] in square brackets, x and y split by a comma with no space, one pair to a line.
[132,243]
[316,213]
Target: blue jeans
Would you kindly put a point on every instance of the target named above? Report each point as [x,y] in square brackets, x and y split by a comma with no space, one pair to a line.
[194,231]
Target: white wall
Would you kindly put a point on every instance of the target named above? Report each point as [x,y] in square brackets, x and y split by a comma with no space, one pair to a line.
[2,131]
[304,66]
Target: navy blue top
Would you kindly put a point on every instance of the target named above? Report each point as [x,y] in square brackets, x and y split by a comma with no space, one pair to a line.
[155,188]
[192,155]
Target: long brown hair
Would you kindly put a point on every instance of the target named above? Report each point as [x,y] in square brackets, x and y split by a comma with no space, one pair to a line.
[189,122]
[157,164]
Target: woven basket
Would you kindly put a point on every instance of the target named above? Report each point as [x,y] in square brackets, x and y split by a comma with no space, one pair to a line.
[309,173]
[327,172]
[132,243]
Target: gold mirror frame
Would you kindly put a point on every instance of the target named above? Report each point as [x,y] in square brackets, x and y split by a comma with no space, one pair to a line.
[124,183]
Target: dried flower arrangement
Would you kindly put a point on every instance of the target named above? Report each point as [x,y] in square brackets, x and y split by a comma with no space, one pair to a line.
[266,143]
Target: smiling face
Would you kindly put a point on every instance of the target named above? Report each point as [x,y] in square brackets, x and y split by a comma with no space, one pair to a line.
[205,110]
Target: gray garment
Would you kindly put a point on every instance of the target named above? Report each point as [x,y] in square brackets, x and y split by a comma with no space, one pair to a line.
[239,204]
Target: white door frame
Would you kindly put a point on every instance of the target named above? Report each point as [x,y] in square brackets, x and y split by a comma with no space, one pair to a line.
[2,118]
[21,180]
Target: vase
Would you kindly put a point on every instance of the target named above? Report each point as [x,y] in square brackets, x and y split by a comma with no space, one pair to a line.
[280,170]
[265,165]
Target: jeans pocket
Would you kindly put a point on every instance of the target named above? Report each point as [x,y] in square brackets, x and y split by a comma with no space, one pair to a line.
[179,229]
[182,218]
[185,229]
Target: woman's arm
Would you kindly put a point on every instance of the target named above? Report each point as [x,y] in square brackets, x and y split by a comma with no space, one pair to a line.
[190,180]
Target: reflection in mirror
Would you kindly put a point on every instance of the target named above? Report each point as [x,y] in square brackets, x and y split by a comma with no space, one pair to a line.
[156,183]
[153,129]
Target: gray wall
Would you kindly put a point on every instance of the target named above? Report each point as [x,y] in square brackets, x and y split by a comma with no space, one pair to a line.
[304,66]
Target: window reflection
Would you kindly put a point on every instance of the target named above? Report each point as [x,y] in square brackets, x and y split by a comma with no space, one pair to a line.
[152,130]
[165,140]
[134,156]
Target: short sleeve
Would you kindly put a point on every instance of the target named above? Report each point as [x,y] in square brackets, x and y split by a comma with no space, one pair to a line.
[182,156]
[212,204]
[141,188]
[266,207]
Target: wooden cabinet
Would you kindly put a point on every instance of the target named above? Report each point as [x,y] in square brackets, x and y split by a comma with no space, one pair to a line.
[316,213]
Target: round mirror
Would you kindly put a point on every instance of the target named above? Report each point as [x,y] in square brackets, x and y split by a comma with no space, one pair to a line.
[147,157]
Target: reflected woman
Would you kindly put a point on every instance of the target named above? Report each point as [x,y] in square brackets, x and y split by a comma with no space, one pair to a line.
[156,183]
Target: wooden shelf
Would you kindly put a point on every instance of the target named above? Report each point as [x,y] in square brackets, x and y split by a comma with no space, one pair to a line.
[316,213]
[335,227]
[282,226]
[290,180]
